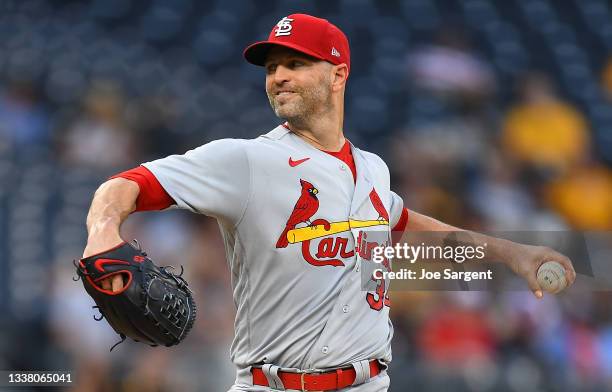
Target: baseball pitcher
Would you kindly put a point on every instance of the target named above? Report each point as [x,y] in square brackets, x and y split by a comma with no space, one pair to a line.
[298,208]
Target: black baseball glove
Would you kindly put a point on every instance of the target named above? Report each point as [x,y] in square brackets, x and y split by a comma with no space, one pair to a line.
[154,306]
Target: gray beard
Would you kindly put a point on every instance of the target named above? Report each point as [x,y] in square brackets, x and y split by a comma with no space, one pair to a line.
[308,108]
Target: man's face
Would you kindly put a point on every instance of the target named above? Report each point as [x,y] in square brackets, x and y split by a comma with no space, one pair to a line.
[298,86]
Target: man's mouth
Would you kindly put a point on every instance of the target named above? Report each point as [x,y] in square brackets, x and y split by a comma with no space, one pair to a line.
[284,92]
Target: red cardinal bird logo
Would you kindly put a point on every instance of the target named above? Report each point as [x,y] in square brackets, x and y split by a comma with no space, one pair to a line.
[304,209]
[379,206]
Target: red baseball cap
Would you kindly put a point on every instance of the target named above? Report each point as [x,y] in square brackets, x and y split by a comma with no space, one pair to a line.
[313,36]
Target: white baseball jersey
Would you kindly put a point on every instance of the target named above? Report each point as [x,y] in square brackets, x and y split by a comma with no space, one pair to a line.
[295,228]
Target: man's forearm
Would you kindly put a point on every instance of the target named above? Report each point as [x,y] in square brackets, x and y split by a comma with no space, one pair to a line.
[112,203]
[420,222]
[498,249]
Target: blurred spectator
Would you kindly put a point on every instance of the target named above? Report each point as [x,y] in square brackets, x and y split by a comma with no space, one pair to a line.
[431,164]
[455,334]
[498,196]
[583,353]
[584,197]
[151,117]
[449,68]
[543,131]
[146,374]
[99,138]
[505,202]
[23,117]
[421,179]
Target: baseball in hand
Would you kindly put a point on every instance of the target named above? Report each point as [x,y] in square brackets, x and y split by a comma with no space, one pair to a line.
[551,277]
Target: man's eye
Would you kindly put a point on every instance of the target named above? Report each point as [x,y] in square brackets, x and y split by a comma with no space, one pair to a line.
[270,68]
[297,63]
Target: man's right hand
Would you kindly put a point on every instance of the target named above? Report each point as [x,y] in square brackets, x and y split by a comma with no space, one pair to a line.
[99,245]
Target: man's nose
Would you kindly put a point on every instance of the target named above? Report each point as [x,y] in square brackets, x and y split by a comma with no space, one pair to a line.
[282,74]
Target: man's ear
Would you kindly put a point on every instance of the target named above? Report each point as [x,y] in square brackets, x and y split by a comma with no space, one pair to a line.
[339,76]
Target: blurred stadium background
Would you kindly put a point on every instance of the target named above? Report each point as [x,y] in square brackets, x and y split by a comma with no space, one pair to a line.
[492,115]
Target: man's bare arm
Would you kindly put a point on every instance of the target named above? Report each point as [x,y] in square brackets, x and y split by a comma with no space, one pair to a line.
[420,222]
[523,259]
[111,205]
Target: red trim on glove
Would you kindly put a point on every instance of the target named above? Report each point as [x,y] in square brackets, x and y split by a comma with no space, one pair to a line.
[96,286]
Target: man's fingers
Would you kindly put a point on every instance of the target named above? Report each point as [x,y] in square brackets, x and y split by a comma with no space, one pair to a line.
[112,283]
[570,273]
[117,283]
[534,286]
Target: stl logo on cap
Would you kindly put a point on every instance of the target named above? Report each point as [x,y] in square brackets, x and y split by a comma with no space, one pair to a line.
[283,27]
[315,37]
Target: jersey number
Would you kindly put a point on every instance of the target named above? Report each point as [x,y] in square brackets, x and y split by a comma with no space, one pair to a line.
[380,298]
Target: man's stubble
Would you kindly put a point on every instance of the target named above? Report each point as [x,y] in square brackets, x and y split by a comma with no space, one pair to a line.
[307,103]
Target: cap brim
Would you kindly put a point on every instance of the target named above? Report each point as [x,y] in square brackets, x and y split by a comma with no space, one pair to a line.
[256,53]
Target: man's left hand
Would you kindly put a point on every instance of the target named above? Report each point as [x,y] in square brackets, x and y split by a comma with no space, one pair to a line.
[526,259]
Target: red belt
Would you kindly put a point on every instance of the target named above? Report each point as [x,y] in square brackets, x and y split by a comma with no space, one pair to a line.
[326,381]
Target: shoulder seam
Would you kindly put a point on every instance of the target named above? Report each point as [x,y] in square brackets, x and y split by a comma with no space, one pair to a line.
[275,134]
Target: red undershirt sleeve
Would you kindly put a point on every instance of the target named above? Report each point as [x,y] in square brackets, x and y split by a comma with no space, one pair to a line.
[152,196]
[398,230]
[402,222]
